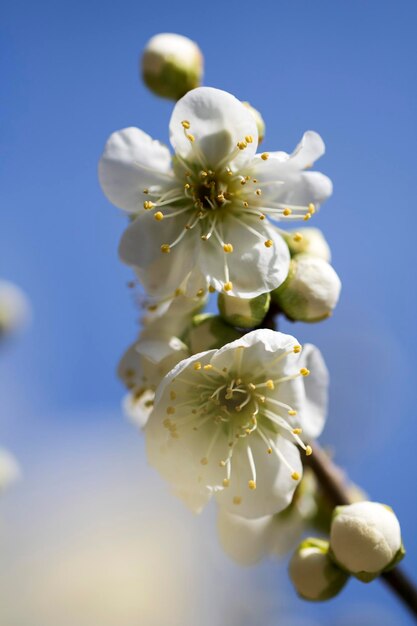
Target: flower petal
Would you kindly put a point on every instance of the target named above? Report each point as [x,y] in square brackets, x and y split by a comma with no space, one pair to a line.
[246,541]
[253,268]
[314,413]
[140,246]
[310,148]
[218,121]
[275,487]
[139,409]
[131,162]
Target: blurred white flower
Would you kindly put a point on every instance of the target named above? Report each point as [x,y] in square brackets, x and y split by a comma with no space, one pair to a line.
[9,469]
[14,308]
[228,422]
[204,210]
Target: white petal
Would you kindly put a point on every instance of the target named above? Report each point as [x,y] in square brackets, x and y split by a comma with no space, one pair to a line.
[286,531]
[253,268]
[140,247]
[218,121]
[246,541]
[275,487]
[312,417]
[310,148]
[131,162]
[139,409]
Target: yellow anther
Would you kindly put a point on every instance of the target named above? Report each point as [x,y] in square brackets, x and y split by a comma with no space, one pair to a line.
[190,137]
[269,243]
[165,248]
[203,174]
[228,286]
[186,124]
[226,482]
[287,212]
[309,450]
[220,198]
[170,410]
[269,450]
[204,460]
[172,395]
[152,307]
[243,181]
[258,192]
[304,371]
[200,293]
[197,365]
[148,205]
[249,139]
[178,292]
[167,422]
[237,500]
[255,180]
[228,247]
[262,216]
[159,216]
[292,412]
[298,237]
[208,367]
[270,384]
[307,217]
[295,476]
[311,208]
[265,156]
[297,431]
[187,186]
[245,204]
[242,145]
[296,349]
[251,386]
[211,289]
[252,484]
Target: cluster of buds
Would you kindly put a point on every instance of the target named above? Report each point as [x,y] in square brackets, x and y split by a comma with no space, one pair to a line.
[365,541]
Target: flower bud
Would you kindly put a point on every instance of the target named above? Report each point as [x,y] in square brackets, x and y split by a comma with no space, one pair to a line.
[313,574]
[365,539]
[260,124]
[310,291]
[310,241]
[244,313]
[210,332]
[14,308]
[171,65]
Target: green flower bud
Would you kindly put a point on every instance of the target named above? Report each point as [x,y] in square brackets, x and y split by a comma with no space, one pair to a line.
[210,332]
[365,539]
[310,241]
[260,124]
[313,574]
[310,291]
[244,313]
[172,65]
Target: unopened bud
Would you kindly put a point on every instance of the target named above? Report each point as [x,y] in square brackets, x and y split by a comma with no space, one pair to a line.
[260,124]
[312,572]
[244,313]
[210,332]
[172,65]
[310,241]
[310,291]
[365,539]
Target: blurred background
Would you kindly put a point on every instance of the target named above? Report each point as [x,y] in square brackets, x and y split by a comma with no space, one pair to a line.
[91,535]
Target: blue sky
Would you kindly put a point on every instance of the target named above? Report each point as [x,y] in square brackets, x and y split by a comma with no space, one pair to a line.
[346,69]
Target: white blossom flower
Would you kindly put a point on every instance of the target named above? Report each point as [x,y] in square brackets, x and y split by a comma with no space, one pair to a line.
[247,541]
[155,352]
[204,210]
[228,422]
[9,469]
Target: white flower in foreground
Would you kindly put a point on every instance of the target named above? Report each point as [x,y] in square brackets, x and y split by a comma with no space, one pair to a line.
[14,308]
[247,541]
[9,469]
[312,572]
[365,539]
[171,65]
[204,209]
[228,422]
